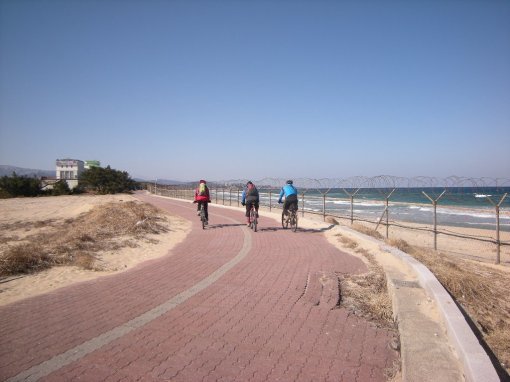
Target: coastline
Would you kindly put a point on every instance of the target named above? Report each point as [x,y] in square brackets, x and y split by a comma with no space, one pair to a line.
[466,211]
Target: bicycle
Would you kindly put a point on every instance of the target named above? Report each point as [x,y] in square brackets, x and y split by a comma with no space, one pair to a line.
[202,216]
[291,219]
[253,217]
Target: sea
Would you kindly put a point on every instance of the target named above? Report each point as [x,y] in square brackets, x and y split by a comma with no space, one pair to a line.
[462,207]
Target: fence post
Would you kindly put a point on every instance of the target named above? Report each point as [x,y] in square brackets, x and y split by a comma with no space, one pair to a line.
[270,199]
[498,242]
[387,218]
[351,196]
[434,204]
[352,210]
[238,197]
[303,204]
[324,207]
[386,212]
[230,196]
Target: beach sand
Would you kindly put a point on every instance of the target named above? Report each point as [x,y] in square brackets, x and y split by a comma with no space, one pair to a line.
[14,213]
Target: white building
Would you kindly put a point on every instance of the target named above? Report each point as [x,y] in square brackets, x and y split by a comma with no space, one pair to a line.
[70,170]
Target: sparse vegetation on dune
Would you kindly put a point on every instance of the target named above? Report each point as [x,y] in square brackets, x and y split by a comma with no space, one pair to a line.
[366,294]
[77,241]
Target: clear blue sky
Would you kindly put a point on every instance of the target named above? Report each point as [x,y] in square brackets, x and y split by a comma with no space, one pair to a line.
[251,89]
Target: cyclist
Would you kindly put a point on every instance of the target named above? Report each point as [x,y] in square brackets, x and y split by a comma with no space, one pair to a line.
[202,197]
[250,195]
[291,197]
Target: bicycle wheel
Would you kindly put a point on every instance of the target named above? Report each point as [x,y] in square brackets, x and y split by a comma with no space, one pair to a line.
[293,221]
[253,219]
[202,217]
[285,221]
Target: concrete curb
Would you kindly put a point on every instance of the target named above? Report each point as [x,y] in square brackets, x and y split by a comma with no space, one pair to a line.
[476,362]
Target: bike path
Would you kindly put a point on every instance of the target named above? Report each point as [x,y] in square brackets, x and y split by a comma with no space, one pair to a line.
[226,304]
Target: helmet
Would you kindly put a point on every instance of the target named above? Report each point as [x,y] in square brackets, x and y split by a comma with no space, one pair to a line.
[249,182]
[289,181]
[202,181]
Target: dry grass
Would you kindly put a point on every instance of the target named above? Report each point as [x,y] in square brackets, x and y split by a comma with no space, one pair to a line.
[77,241]
[367,294]
[482,292]
[367,231]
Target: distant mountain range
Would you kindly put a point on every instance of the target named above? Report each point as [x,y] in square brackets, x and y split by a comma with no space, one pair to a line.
[6,170]
[167,182]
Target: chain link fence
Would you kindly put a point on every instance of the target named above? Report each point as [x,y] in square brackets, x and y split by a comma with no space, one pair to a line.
[464,216]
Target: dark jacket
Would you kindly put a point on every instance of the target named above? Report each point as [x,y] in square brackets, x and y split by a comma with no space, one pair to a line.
[250,194]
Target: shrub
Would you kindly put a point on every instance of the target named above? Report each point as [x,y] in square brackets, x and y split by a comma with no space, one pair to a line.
[61,188]
[106,180]
[24,258]
[13,186]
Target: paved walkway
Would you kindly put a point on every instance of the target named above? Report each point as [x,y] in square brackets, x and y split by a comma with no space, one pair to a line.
[226,304]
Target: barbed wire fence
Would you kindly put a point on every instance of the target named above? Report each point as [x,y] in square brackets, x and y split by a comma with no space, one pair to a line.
[473,213]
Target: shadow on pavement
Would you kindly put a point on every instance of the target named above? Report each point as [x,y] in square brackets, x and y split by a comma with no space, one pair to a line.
[270,229]
[315,230]
[214,226]
[299,230]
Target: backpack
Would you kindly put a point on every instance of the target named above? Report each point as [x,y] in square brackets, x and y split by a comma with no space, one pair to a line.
[202,189]
[251,190]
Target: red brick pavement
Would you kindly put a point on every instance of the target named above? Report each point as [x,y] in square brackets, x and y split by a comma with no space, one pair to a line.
[272,317]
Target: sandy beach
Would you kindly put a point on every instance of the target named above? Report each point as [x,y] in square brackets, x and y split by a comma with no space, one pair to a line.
[15,212]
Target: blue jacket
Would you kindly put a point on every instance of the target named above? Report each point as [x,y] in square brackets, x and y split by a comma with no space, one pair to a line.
[287,190]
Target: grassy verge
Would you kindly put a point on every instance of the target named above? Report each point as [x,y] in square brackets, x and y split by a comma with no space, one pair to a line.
[481,291]
[366,294]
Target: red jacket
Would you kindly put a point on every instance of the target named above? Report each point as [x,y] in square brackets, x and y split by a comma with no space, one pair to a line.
[202,198]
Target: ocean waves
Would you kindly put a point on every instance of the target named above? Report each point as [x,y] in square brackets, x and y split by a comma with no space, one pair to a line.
[459,214]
